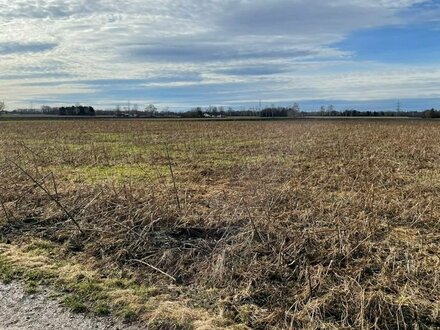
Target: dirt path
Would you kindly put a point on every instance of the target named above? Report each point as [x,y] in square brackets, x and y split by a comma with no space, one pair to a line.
[21,311]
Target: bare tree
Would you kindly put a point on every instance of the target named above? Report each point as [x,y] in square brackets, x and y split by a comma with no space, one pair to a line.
[294,111]
[151,110]
[2,106]
[330,109]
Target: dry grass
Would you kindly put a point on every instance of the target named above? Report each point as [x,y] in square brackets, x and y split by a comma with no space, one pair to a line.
[86,290]
[295,224]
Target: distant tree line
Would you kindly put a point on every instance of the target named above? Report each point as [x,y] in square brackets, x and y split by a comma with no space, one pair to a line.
[432,113]
[77,110]
[272,111]
[329,111]
[295,112]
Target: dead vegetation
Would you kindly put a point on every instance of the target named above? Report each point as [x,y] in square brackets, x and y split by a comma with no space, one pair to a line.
[293,225]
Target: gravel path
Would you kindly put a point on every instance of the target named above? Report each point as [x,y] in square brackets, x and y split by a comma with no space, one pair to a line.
[21,311]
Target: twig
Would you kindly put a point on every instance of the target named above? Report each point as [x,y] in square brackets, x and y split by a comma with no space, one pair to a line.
[309,280]
[30,189]
[49,195]
[155,268]
[254,226]
[176,192]
[4,210]
[354,249]
[91,202]
[55,186]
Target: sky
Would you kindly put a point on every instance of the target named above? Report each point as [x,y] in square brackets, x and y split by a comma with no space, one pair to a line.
[178,54]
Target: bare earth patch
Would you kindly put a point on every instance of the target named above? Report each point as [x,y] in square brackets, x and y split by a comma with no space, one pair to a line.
[20,310]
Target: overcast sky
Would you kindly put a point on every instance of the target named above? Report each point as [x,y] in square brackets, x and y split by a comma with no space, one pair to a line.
[184,53]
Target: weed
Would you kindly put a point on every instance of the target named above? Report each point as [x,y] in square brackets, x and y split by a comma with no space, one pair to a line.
[6,271]
[75,304]
[102,309]
[128,314]
[31,287]
[169,323]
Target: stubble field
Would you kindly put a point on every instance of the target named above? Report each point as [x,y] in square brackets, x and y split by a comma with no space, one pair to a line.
[303,224]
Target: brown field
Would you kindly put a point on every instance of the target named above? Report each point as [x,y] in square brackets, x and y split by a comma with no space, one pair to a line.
[216,225]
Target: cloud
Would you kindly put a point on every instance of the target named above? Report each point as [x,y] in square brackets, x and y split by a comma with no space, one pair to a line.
[8,48]
[37,75]
[254,70]
[187,50]
[51,8]
[296,18]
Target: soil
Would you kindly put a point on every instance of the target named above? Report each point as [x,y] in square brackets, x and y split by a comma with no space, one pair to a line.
[43,310]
